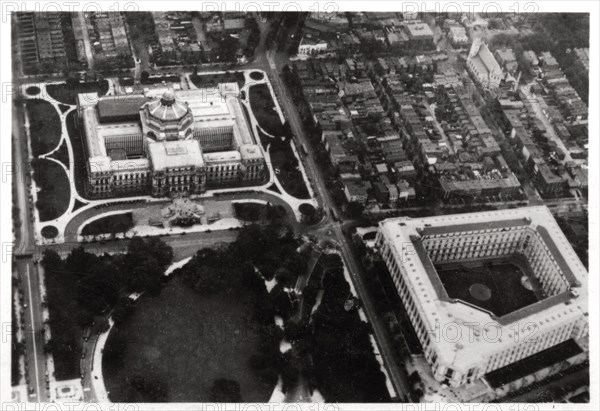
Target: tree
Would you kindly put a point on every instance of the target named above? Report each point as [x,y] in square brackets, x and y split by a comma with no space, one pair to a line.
[296,331]
[281,301]
[275,213]
[290,374]
[355,209]
[151,389]
[224,390]
[248,211]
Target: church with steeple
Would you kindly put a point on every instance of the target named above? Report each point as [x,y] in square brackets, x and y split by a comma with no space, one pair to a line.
[483,66]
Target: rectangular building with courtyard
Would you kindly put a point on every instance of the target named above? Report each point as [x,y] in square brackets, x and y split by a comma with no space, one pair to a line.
[165,141]
[485,290]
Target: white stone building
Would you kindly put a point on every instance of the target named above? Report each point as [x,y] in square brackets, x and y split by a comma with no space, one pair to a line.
[462,340]
[168,141]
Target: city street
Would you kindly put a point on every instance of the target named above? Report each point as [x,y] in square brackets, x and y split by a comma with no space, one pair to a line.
[387,346]
[27,271]
[33,325]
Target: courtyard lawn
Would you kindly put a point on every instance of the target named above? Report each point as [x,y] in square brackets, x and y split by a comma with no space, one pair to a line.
[66,93]
[501,279]
[44,126]
[263,107]
[118,223]
[181,342]
[55,192]
[287,169]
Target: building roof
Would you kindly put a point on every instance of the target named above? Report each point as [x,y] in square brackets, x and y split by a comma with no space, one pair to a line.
[217,109]
[171,154]
[355,188]
[168,108]
[506,55]
[118,108]
[234,23]
[419,30]
[482,57]
[222,157]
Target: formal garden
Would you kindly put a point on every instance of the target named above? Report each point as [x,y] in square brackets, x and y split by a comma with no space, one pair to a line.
[45,127]
[263,107]
[284,161]
[54,192]
[287,168]
[66,93]
[79,161]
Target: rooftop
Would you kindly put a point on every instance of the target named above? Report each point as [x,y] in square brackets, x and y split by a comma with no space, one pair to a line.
[171,154]
[120,107]
[419,30]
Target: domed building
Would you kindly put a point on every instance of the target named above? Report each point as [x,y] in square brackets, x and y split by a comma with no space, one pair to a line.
[166,142]
[167,118]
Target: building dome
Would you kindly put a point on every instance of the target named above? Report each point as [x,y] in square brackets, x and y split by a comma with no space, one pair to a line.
[168,108]
[168,96]
[167,118]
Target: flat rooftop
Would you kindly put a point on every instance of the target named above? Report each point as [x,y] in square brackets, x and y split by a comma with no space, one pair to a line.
[120,108]
[180,153]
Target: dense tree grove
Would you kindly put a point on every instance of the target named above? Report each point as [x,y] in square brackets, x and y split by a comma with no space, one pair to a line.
[558,33]
[227,269]
[224,390]
[344,367]
[84,288]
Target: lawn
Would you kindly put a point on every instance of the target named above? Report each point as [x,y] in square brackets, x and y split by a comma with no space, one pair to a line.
[182,342]
[249,211]
[62,155]
[289,175]
[263,107]
[211,80]
[44,126]
[257,75]
[501,277]
[118,223]
[253,212]
[49,231]
[66,93]
[79,161]
[55,192]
